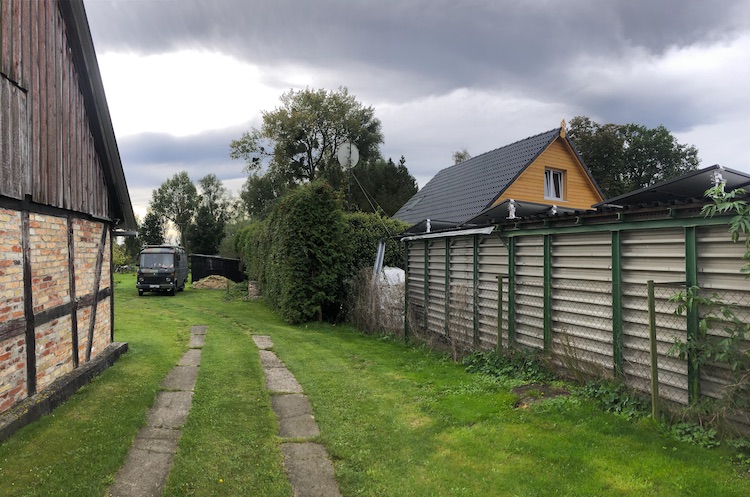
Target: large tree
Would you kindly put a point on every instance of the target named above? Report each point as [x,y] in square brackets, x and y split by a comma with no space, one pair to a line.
[259,193]
[206,233]
[382,183]
[176,200]
[151,230]
[627,157]
[298,141]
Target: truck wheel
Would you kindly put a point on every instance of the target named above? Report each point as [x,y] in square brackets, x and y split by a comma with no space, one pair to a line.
[173,291]
[140,293]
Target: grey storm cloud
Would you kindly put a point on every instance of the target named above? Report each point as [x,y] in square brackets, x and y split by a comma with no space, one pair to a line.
[398,50]
[447,74]
[150,158]
[455,44]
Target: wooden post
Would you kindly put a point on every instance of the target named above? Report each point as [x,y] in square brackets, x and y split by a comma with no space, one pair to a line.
[654,359]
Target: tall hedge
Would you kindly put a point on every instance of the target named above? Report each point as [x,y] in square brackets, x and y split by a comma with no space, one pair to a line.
[307,250]
[364,232]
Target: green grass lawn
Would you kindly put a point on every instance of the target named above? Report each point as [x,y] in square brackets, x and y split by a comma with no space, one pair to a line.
[397,420]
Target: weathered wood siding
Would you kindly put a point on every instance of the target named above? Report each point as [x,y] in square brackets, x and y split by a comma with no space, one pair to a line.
[47,148]
[578,191]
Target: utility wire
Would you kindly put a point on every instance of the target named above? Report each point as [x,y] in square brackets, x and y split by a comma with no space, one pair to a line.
[368,196]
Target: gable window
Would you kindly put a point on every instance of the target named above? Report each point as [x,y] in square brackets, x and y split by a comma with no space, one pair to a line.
[553,184]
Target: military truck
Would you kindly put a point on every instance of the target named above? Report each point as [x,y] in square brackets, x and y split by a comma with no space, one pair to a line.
[162,268]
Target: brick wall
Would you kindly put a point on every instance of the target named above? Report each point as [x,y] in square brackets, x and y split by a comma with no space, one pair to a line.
[51,295]
[48,241]
[11,267]
[54,356]
[13,343]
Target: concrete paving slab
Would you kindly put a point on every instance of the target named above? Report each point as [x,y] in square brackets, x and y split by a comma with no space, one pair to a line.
[155,445]
[295,416]
[143,474]
[159,433]
[281,380]
[309,470]
[269,360]
[263,341]
[197,340]
[170,409]
[181,378]
[191,358]
[198,329]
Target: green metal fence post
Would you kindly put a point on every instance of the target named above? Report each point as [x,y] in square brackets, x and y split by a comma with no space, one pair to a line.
[691,280]
[654,357]
[547,292]
[499,312]
[616,305]
[447,286]
[426,285]
[511,292]
[406,291]
[476,291]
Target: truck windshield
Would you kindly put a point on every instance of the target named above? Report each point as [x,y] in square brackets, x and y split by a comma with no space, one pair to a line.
[157,261]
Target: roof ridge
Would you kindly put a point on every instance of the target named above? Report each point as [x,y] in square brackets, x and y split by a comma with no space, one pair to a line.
[500,148]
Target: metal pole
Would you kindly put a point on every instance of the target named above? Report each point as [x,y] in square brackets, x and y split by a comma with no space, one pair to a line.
[499,312]
[654,359]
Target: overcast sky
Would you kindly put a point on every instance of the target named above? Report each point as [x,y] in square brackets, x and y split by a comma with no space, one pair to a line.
[185,77]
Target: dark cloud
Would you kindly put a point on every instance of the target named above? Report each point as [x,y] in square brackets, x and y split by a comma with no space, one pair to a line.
[450,44]
[566,57]
[151,158]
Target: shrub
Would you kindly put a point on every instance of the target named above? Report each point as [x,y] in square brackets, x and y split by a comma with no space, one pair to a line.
[364,232]
[300,255]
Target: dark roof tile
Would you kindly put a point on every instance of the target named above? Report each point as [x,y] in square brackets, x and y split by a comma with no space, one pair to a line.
[460,192]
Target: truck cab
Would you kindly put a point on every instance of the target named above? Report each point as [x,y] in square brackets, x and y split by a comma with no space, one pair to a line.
[162,268]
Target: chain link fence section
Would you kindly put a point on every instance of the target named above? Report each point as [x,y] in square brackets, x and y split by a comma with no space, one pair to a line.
[581,327]
[636,345]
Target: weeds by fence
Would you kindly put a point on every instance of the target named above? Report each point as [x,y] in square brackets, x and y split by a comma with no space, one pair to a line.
[589,329]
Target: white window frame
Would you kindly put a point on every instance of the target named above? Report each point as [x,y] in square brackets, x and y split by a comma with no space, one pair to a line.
[554,184]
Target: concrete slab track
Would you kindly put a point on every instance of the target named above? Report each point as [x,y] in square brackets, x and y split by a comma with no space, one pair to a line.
[149,459]
[307,464]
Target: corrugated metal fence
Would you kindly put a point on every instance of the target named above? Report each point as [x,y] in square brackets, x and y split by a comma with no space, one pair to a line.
[578,294]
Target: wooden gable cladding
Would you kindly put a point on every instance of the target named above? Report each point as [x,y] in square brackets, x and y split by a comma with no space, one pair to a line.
[47,149]
[578,190]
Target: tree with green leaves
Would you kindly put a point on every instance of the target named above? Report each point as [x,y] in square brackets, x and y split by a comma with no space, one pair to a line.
[298,141]
[176,200]
[206,233]
[627,157]
[259,193]
[151,230]
[460,156]
[383,184]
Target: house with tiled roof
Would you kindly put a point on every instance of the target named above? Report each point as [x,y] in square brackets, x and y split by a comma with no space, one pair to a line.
[539,174]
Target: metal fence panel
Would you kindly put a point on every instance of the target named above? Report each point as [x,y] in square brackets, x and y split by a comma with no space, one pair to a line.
[493,263]
[657,255]
[530,291]
[461,325]
[719,276]
[436,282]
[416,260]
[582,301]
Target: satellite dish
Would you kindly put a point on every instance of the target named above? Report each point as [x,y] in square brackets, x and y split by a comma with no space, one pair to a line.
[348,155]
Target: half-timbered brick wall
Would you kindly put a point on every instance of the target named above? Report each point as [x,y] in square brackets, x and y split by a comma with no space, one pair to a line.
[64,255]
[59,192]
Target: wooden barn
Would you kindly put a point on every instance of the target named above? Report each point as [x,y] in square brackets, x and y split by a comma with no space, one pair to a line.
[62,196]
